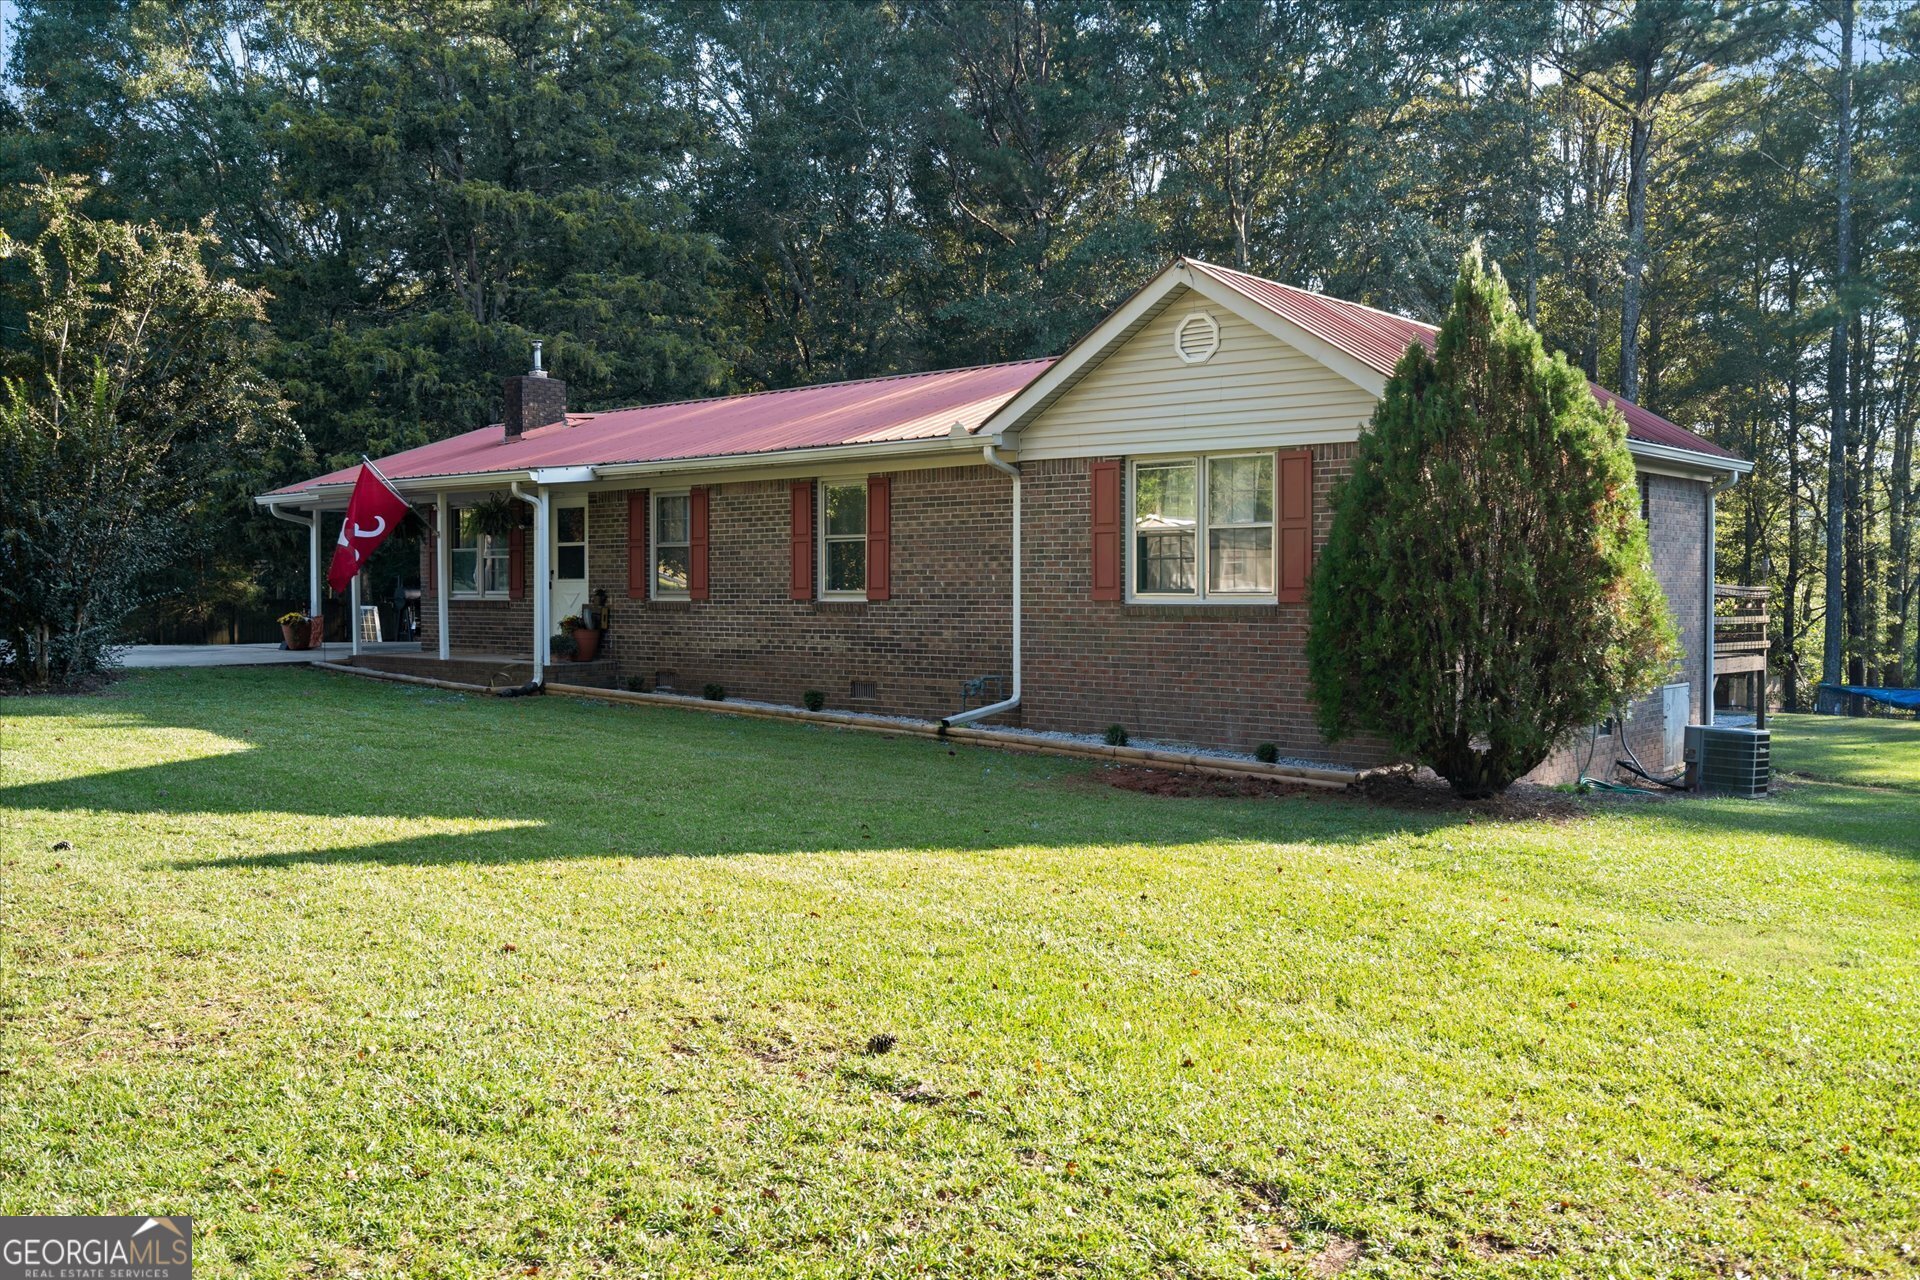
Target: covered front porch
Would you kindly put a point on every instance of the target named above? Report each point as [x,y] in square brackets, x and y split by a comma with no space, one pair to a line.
[501,568]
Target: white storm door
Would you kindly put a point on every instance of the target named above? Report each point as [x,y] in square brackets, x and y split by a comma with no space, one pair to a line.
[567,585]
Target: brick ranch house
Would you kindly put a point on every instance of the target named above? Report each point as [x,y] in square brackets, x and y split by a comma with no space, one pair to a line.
[1119,535]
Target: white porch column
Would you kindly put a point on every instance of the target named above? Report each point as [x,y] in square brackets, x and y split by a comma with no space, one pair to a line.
[442,573]
[353,616]
[542,597]
[313,565]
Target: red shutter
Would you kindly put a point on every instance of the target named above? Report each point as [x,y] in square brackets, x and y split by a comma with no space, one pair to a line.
[637,565]
[697,552]
[879,537]
[801,541]
[1293,522]
[1106,531]
[517,563]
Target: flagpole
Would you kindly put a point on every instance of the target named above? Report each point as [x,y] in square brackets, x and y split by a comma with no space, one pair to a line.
[381,476]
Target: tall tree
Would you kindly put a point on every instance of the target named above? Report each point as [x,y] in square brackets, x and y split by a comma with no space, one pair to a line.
[132,416]
[1838,388]
[1639,58]
[1487,588]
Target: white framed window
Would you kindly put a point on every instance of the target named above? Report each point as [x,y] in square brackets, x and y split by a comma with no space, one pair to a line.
[672,545]
[479,562]
[1201,528]
[843,539]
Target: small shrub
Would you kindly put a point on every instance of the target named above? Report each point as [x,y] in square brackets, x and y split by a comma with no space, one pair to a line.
[636,684]
[1116,735]
[1266,753]
[563,645]
[714,693]
[813,699]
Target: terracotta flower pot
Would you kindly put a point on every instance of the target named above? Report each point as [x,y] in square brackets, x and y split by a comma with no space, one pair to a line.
[586,644]
[303,635]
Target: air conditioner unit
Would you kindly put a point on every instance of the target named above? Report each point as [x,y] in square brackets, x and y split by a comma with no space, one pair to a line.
[1734,760]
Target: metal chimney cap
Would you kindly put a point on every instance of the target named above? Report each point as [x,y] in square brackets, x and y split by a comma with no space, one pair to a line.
[537,372]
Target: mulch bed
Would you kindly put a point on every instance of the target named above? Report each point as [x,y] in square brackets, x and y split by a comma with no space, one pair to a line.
[94,682]
[1420,792]
[1170,782]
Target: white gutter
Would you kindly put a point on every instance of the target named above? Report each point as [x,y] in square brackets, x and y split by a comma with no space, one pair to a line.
[1714,490]
[998,463]
[777,458]
[312,525]
[1735,467]
[542,629]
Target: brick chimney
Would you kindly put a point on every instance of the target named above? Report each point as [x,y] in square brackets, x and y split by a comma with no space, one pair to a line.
[533,400]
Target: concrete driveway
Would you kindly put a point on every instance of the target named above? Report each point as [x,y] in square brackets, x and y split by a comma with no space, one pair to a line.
[142,656]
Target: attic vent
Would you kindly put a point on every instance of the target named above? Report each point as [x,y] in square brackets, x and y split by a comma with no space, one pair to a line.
[1196,338]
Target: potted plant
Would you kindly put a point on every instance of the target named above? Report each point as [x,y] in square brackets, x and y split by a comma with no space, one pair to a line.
[300,631]
[563,647]
[586,640]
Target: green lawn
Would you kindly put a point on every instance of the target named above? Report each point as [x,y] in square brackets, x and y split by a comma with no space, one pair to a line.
[375,979]
[1875,753]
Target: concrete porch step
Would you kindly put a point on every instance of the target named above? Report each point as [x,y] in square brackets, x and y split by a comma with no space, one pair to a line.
[495,671]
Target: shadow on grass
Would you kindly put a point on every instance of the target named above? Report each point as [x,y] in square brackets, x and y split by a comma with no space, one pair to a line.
[560,778]
[557,778]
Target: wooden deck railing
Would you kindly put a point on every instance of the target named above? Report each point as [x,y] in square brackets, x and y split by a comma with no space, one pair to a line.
[1740,620]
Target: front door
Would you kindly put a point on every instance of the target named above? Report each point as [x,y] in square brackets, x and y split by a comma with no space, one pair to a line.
[568,588]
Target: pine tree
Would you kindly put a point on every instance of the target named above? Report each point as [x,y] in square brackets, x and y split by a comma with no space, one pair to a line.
[1486,590]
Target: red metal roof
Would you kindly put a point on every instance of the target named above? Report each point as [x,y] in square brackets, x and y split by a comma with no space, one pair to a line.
[915,406]
[1378,339]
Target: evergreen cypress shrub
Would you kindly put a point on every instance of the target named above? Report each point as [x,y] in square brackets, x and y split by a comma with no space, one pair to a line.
[1486,589]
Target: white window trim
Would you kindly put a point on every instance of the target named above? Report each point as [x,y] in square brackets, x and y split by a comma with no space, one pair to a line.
[479,561]
[820,536]
[1199,596]
[654,543]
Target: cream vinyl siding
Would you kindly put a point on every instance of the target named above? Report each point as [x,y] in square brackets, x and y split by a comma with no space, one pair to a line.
[1256,392]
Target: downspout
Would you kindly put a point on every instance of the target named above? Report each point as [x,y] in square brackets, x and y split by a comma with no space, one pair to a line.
[1714,490]
[311,523]
[998,463]
[538,501]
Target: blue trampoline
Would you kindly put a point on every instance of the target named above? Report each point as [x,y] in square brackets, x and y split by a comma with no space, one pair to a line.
[1905,699]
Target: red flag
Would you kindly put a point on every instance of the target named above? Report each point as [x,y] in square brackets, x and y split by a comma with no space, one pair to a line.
[373,512]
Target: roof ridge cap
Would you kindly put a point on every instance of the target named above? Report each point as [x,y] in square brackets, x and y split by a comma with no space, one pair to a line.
[1313,293]
[812,386]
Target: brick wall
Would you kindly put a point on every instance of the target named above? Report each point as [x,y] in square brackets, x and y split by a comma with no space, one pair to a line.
[1676,535]
[494,627]
[948,618]
[1231,676]
[1220,675]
